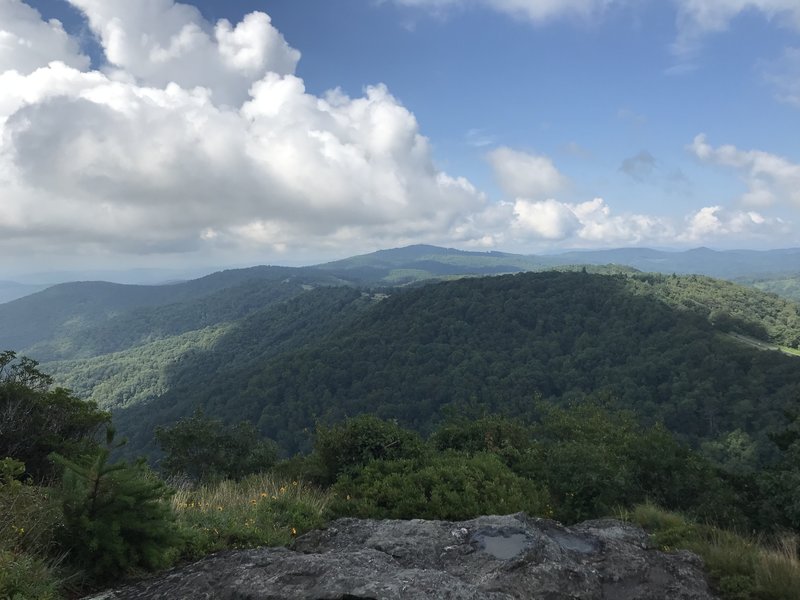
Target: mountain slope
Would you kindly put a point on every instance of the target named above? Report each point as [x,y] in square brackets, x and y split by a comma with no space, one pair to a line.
[480,344]
[82,319]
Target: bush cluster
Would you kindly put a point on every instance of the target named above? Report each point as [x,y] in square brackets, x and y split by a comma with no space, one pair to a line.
[95,519]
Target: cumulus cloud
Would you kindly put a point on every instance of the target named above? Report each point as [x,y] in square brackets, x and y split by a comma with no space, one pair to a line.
[521,174]
[715,222]
[196,135]
[769,178]
[548,219]
[27,42]
[588,223]
[160,41]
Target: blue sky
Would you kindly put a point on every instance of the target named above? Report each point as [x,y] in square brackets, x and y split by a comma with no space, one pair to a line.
[520,125]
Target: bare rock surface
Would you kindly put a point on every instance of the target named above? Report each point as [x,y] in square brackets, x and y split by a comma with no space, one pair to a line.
[491,558]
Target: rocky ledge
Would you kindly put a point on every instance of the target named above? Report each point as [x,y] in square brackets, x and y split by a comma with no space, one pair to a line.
[492,558]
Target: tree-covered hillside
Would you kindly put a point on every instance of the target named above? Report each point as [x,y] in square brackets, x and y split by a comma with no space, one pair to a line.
[83,319]
[656,345]
[208,358]
[787,286]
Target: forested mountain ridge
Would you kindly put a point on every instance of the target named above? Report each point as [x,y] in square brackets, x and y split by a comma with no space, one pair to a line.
[486,345]
[786,286]
[285,348]
[209,357]
[69,320]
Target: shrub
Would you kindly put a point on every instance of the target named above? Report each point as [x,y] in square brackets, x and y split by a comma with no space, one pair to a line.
[593,460]
[345,447]
[206,450]
[116,516]
[509,439]
[452,486]
[35,421]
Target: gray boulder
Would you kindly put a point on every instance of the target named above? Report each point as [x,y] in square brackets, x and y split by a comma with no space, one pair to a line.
[492,558]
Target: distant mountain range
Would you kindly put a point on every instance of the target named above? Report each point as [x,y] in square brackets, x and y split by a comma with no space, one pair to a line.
[11,290]
[410,264]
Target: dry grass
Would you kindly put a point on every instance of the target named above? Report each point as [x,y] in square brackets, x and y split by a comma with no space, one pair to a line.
[742,568]
[261,510]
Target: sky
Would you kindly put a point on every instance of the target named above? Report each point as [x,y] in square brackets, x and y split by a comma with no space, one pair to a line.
[143,133]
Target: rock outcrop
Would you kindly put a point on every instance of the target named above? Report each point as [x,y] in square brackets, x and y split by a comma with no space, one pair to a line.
[492,558]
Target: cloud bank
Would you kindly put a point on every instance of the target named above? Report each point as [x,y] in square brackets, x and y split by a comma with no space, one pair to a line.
[199,137]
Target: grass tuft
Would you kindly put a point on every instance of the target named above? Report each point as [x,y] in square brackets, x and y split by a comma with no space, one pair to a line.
[261,510]
[741,568]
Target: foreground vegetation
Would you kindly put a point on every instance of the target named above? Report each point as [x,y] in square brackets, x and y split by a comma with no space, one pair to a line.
[73,519]
[740,567]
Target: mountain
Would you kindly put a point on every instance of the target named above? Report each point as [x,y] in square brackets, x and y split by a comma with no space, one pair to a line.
[414,263]
[87,318]
[726,264]
[421,262]
[657,345]
[285,347]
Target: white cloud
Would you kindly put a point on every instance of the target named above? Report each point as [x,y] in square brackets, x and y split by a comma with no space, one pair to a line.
[525,175]
[27,42]
[548,219]
[715,222]
[587,223]
[160,41]
[769,178]
[150,156]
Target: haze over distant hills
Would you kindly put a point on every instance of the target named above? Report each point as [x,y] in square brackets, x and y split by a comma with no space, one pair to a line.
[420,262]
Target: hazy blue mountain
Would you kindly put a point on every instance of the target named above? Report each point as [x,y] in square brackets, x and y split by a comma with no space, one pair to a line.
[11,290]
[728,264]
[424,262]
